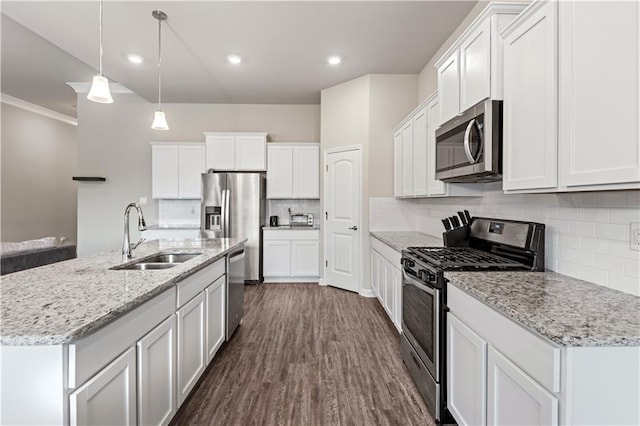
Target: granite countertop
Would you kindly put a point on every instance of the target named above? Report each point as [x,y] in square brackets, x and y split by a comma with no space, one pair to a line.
[175,226]
[400,240]
[565,310]
[61,302]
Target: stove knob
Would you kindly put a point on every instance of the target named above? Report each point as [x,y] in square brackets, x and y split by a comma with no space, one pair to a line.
[410,263]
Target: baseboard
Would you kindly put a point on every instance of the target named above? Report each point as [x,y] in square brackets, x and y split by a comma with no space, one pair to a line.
[367,292]
[291,279]
[322,282]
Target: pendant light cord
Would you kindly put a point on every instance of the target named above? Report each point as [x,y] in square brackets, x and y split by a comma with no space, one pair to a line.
[100,25]
[159,63]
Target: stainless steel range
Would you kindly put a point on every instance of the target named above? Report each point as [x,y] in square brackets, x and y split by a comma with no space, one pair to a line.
[479,244]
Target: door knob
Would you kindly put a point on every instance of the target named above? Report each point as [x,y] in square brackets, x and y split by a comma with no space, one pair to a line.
[354,228]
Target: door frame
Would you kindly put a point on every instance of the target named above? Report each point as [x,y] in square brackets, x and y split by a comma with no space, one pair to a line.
[325,171]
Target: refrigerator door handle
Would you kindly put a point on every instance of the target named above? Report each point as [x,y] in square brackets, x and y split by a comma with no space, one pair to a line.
[225,197]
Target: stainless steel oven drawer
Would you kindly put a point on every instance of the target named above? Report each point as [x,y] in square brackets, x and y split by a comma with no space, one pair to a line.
[429,389]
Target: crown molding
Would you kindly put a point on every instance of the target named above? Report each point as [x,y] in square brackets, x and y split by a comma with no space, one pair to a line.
[37,109]
[84,86]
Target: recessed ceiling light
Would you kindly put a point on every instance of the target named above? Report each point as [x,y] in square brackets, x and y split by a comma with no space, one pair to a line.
[234,59]
[334,60]
[133,58]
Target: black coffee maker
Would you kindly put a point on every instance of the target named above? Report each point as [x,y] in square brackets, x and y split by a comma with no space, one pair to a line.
[273,221]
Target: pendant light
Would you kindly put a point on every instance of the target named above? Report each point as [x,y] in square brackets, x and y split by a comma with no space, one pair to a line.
[159,119]
[99,91]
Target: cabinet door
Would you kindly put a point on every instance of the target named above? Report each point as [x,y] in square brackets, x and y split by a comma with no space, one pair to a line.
[157,402]
[306,172]
[475,66]
[382,292]
[514,398]
[449,88]
[277,258]
[216,313]
[221,153]
[280,172]
[599,92]
[407,159]
[191,345]
[374,272]
[397,298]
[388,288]
[435,187]
[530,102]
[305,257]
[109,397]
[164,171]
[397,164]
[466,373]
[191,166]
[420,130]
[251,152]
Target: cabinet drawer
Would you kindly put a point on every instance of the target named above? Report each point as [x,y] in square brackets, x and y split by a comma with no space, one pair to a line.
[89,354]
[194,284]
[537,357]
[387,252]
[292,235]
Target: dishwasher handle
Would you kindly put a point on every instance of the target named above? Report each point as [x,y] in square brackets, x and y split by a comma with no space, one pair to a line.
[235,257]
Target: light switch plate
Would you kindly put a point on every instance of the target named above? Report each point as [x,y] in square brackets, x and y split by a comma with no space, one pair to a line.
[635,236]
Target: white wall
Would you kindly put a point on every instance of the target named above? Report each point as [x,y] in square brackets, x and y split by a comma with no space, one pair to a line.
[114,143]
[39,157]
[587,233]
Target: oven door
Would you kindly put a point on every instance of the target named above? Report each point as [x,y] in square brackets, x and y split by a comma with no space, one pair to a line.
[421,321]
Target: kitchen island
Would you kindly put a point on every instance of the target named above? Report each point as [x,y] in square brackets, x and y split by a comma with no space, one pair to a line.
[85,343]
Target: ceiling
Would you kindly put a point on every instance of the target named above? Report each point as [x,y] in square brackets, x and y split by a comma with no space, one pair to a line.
[284,46]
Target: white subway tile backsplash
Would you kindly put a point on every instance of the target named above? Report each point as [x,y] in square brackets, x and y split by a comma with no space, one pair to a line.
[587,233]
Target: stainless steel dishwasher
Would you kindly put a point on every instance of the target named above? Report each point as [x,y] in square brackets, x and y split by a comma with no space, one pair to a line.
[235,291]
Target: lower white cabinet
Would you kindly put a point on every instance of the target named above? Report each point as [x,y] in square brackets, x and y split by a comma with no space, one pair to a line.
[109,397]
[514,398]
[386,280]
[291,255]
[191,345]
[215,296]
[157,402]
[466,373]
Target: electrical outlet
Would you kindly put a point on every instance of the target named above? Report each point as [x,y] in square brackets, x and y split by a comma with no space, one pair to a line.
[635,236]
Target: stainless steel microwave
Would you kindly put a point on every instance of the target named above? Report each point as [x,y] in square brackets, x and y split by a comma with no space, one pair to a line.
[469,147]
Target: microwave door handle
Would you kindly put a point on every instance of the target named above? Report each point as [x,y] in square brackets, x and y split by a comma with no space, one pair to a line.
[467,147]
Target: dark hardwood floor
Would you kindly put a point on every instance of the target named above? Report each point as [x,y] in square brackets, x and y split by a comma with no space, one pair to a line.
[307,355]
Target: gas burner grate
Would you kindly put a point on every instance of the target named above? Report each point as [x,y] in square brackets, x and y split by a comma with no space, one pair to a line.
[462,258]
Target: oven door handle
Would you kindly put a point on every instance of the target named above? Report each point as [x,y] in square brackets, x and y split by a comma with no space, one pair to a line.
[421,286]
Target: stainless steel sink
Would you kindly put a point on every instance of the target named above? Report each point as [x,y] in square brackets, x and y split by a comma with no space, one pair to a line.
[159,261]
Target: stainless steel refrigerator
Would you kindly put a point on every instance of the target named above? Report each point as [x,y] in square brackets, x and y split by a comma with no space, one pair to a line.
[233,206]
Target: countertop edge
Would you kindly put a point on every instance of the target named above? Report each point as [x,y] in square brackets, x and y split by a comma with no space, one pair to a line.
[73,335]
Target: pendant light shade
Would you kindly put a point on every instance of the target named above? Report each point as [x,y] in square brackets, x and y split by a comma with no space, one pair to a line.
[99,91]
[159,119]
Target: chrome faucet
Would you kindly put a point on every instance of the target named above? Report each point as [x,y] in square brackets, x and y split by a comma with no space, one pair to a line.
[126,244]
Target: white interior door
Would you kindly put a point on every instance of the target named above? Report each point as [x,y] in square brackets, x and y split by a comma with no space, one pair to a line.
[342,231]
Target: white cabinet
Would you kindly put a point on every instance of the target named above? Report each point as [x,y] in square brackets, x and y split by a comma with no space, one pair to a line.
[157,401]
[562,77]
[215,296]
[599,93]
[386,280]
[530,100]
[414,153]
[466,373]
[471,70]
[514,398]
[176,169]
[191,345]
[291,255]
[236,151]
[109,397]
[293,171]
[397,163]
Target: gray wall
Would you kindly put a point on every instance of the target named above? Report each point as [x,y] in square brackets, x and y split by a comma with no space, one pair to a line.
[39,157]
[114,143]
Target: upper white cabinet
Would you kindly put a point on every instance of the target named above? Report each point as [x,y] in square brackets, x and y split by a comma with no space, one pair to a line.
[293,170]
[236,151]
[176,169]
[571,97]
[414,152]
[471,70]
